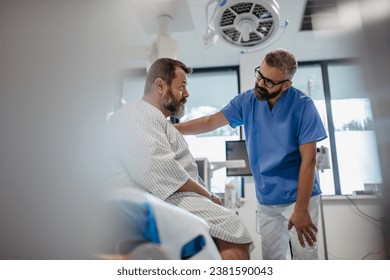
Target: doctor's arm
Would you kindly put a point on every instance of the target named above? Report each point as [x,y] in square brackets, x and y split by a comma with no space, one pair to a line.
[300,218]
[203,124]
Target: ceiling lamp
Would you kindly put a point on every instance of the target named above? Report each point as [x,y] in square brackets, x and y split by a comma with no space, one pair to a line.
[246,25]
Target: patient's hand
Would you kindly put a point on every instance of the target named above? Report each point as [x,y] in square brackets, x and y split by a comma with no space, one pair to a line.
[216,199]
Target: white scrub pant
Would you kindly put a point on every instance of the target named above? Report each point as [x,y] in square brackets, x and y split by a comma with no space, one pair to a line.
[275,236]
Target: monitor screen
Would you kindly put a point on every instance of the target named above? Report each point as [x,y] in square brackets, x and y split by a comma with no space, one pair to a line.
[237,150]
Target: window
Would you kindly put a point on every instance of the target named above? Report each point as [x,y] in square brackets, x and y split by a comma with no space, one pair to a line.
[345,109]
[356,147]
[210,89]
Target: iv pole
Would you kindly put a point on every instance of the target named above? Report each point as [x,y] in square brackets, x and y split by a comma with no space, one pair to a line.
[323,226]
[323,163]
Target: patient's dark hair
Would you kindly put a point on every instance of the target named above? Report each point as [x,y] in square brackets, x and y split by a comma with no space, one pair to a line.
[164,68]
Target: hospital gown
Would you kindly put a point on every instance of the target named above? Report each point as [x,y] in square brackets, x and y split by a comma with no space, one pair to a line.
[148,153]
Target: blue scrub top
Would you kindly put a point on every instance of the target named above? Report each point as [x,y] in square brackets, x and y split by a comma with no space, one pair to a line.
[273,138]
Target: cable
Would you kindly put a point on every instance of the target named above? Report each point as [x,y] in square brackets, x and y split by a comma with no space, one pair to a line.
[373,252]
[361,212]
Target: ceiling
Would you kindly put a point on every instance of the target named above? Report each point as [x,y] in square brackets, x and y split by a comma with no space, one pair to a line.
[139,27]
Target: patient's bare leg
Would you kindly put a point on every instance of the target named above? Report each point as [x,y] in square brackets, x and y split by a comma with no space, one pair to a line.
[232,251]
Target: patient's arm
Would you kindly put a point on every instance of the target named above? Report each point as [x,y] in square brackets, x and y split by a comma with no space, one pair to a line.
[192,186]
[203,124]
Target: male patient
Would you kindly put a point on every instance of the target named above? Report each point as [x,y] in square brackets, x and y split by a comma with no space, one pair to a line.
[148,153]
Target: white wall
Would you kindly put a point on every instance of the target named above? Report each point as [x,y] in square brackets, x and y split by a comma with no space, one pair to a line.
[353,232]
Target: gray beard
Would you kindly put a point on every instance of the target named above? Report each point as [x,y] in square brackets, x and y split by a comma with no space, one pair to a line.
[262,94]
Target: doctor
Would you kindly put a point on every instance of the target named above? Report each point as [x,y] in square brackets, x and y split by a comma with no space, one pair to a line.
[282,127]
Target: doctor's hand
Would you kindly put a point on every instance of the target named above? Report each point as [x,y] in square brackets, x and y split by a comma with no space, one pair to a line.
[306,230]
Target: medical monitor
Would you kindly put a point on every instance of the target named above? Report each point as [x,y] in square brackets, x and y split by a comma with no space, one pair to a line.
[236,150]
[204,171]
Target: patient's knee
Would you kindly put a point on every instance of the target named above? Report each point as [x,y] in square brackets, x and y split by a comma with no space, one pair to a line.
[232,251]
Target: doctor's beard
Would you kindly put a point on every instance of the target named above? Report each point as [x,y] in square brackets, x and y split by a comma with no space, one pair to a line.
[263,94]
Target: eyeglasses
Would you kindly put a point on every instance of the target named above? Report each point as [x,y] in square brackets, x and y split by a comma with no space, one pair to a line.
[269,83]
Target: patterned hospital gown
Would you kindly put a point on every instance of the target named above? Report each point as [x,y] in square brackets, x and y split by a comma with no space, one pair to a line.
[148,153]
